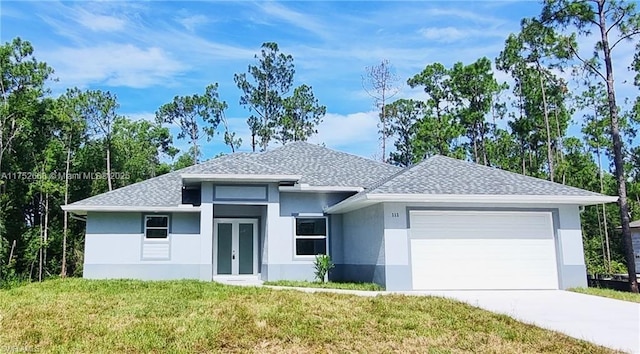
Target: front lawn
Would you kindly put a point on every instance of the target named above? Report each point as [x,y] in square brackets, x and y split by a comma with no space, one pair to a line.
[84,316]
[614,294]
[328,285]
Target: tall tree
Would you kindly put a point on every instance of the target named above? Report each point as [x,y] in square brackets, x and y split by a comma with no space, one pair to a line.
[302,114]
[380,82]
[99,109]
[474,88]
[614,22]
[72,133]
[526,57]
[403,116]
[138,146]
[440,129]
[21,85]
[197,116]
[272,79]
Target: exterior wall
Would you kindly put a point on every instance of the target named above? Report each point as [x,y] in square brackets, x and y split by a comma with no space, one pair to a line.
[363,245]
[568,234]
[296,202]
[282,264]
[572,270]
[635,239]
[114,244]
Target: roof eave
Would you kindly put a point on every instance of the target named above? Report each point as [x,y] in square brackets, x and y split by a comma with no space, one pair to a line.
[368,199]
[319,189]
[84,209]
[495,198]
[210,177]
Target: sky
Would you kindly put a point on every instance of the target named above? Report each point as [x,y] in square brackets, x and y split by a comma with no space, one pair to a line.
[147,52]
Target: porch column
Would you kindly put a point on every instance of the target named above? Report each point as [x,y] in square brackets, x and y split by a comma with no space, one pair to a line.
[206,232]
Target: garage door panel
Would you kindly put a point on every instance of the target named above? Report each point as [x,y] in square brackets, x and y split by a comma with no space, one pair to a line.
[499,254]
[425,224]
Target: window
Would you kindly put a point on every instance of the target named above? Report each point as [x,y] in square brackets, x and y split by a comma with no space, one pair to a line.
[311,236]
[156,226]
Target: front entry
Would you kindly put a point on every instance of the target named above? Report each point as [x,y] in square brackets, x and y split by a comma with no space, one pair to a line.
[235,246]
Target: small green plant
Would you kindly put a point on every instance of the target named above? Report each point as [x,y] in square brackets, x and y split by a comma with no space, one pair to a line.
[322,264]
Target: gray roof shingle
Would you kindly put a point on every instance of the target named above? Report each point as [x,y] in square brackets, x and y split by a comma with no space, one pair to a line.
[445,175]
[318,166]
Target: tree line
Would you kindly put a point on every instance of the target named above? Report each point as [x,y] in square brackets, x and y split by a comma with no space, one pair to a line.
[465,112]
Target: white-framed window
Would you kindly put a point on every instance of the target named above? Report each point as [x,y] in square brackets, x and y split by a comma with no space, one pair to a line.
[310,236]
[156,227]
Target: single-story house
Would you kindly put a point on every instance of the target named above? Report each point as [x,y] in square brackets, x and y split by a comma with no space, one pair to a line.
[635,240]
[441,224]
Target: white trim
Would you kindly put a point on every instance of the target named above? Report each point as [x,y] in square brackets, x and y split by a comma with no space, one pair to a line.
[79,209]
[318,189]
[217,177]
[368,199]
[308,215]
[493,198]
[234,244]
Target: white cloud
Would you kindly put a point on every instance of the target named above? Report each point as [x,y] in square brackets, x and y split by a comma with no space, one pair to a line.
[97,23]
[114,65]
[355,132]
[452,34]
[300,20]
[191,22]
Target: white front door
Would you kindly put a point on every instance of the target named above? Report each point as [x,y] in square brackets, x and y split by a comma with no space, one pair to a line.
[235,246]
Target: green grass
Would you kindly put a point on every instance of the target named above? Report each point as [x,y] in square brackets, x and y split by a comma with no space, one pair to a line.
[614,294]
[84,316]
[328,285]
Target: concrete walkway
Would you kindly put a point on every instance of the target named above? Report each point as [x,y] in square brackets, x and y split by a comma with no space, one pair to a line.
[608,322]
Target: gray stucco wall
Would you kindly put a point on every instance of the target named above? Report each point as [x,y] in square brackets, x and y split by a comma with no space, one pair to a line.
[282,263]
[114,223]
[115,247]
[363,253]
[635,239]
[297,202]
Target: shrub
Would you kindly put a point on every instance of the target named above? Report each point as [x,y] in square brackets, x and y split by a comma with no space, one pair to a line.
[322,264]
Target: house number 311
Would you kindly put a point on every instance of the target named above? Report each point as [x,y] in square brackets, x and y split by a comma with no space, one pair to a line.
[395,215]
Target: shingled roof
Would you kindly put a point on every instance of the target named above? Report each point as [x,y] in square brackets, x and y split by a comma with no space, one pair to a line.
[444,179]
[317,166]
[445,175]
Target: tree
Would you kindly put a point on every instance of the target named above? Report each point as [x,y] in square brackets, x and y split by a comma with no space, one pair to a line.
[99,109]
[379,82]
[68,110]
[524,57]
[138,146]
[302,114]
[197,116]
[403,116]
[614,22]
[439,130]
[264,97]
[21,85]
[474,88]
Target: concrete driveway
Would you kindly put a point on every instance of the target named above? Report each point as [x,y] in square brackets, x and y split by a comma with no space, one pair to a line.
[607,322]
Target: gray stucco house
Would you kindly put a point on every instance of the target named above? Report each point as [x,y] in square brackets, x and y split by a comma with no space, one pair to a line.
[441,224]
[635,240]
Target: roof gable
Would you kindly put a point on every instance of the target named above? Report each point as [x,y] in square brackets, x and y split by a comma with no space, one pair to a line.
[445,175]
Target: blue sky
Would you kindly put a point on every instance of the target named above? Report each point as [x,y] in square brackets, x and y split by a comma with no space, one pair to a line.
[146,52]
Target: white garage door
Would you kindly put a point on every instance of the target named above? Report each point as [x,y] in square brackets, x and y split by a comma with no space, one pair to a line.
[482,250]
